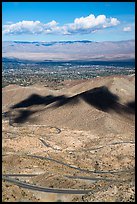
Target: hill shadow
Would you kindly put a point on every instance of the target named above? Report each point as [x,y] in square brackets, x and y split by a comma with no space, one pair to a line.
[21,116]
[36,99]
[100,98]
[131,105]
[104,100]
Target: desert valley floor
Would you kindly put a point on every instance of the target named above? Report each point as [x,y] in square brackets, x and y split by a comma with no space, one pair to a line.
[73,144]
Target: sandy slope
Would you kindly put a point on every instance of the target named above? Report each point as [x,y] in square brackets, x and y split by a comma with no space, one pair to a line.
[96,122]
[76,113]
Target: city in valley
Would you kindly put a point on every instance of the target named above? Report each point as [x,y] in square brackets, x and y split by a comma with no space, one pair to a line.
[68,131]
[68,101]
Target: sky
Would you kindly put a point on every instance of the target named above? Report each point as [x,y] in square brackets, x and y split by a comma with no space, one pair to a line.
[64,21]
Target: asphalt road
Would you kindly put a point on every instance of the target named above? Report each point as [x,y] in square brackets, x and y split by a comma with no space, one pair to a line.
[39,188]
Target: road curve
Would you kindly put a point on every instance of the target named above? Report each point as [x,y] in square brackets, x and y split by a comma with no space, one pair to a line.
[94,179]
[43,189]
[77,168]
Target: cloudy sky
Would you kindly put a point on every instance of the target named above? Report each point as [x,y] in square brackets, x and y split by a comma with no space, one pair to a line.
[59,21]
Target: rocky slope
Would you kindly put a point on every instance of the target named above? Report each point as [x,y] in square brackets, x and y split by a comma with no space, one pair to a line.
[79,137]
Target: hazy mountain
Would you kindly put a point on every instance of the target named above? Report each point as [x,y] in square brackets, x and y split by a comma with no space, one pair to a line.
[69,50]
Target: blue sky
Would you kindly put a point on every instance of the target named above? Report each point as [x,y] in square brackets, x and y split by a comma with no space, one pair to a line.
[58,21]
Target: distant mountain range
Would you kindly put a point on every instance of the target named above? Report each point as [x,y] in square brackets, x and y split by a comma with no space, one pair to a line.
[69,50]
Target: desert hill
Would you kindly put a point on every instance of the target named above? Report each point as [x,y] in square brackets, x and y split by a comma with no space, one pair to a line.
[85,106]
[69,137]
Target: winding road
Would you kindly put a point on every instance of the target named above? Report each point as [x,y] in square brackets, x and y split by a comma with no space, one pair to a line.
[39,188]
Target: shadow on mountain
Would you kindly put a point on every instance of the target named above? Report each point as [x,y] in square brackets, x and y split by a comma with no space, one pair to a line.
[21,116]
[131,105]
[36,99]
[100,98]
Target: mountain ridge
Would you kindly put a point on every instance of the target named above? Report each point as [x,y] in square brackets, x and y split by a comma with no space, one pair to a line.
[69,50]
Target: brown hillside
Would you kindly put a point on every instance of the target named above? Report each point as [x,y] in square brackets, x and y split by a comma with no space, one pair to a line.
[81,137]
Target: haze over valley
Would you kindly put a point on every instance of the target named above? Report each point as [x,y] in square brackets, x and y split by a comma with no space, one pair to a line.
[69,50]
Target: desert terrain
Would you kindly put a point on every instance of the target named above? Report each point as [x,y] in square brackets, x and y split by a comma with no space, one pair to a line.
[75,143]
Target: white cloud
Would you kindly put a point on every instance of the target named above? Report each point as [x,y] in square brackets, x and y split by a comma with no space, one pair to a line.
[80,25]
[91,23]
[30,27]
[127,29]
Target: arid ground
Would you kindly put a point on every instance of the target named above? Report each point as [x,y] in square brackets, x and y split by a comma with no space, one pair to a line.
[73,144]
